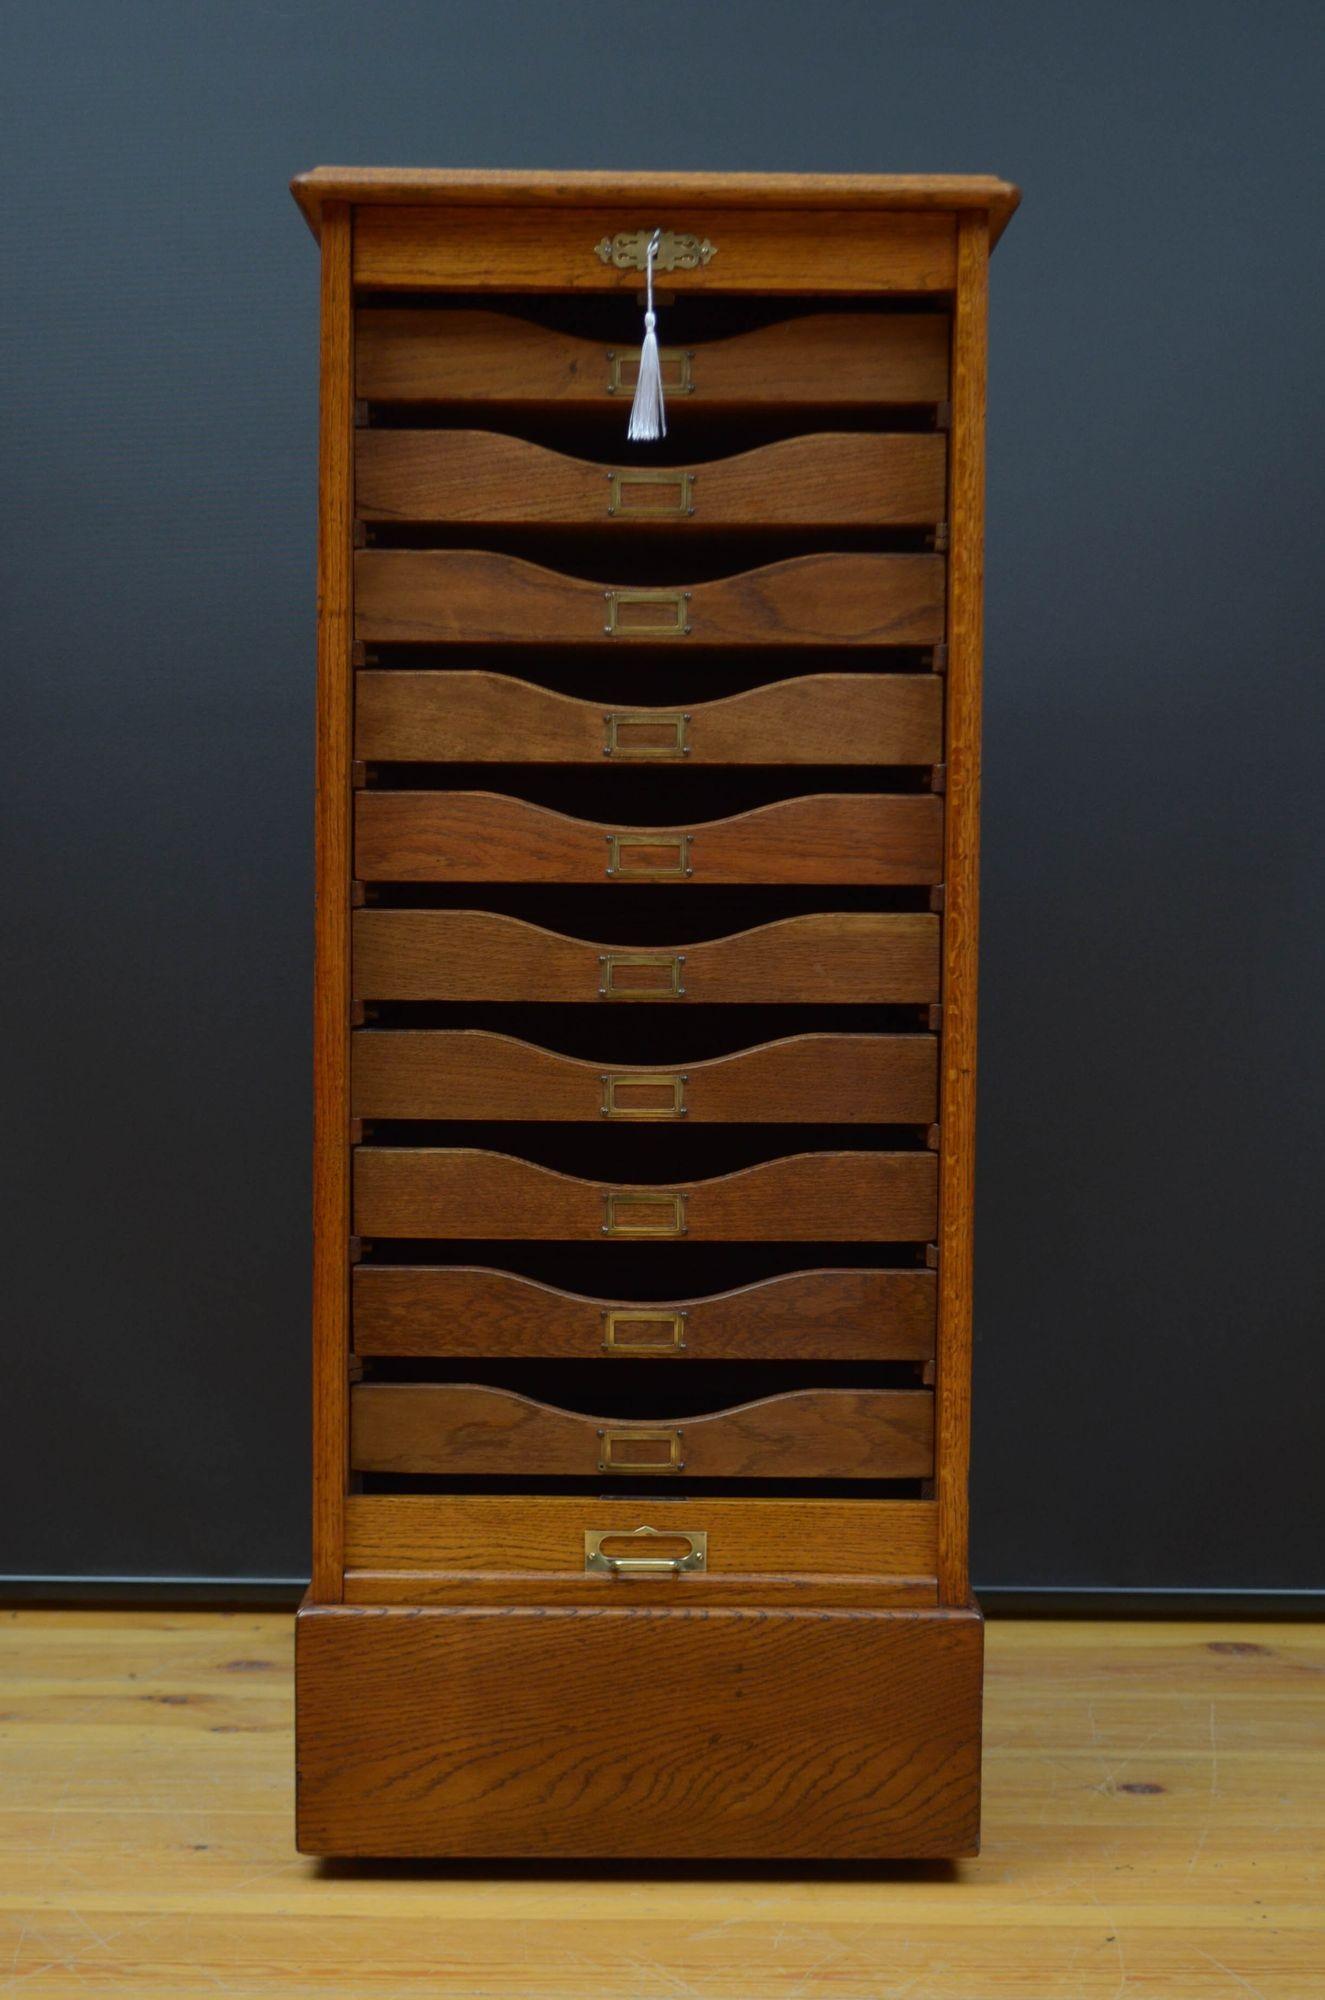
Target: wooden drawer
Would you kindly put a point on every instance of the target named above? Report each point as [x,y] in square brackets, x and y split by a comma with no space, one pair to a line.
[487,837]
[843,958]
[474,717]
[410,249]
[459,1191]
[845,361]
[815,1079]
[848,480]
[638,1732]
[461,1429]
[830,1315]
[470,596]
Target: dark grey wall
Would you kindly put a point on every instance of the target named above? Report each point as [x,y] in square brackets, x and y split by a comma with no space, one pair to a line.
[1149,1311]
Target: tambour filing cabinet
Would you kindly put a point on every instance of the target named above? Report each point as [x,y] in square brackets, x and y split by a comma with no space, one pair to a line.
[647,807]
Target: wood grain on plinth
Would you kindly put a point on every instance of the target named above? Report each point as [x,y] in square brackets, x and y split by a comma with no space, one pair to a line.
[638,1733]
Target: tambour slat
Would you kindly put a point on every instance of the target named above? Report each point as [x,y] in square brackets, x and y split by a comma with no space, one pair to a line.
[459,1191]
[819,1079]
[487,837]
[847,360]
[473,717]
[820,1315]
[852,479]
[468,1429]
[443,596]
[841,958]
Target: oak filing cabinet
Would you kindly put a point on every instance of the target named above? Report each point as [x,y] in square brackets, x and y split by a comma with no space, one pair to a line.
[647,800]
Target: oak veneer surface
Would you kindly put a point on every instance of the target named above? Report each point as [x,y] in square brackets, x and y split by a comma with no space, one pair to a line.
[489,837]
[471,597]
[828,1315]
[847,480]
[820,1079]
[466,1428]
[859,1732]
[1154,1825]
[861,360]
[472,716]
[459,1191]
[859,958]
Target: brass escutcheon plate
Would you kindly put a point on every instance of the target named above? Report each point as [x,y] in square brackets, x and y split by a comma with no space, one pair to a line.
[663,1451]
[628,250]
[654,495]
[647,614]
[613,964]
[622,733]
[664,1085]
[676,365]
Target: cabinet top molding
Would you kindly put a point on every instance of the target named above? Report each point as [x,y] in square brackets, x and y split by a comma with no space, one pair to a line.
[463,186]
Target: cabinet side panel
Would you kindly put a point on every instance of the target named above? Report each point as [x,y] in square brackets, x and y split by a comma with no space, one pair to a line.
[961,921]
[331,994]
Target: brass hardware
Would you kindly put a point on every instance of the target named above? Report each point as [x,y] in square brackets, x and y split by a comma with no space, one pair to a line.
[643,1212]
[670,1338]
[627,613]
[666,1455]
[621,485]
[670,963]
[597,1563]
[628,250]
[676,365]
[615,745]
[616,1102]
[621,847]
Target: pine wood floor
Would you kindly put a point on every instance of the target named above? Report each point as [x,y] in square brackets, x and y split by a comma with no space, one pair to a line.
[1154,1826]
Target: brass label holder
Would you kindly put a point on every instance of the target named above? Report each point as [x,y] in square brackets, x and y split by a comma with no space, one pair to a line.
[628,250]
[644,1212]
[617,1082]
[675,720]
[633,493]
[676,365]
[596,1563]
[670,963]
[658,1332]
[671,609]
[613,1445]
[626,854]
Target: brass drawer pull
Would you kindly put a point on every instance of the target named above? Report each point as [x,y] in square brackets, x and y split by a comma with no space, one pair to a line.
[597,1563]
[675,250]
[630,1212]
[659,1332]
[638,493]
[659,1095]
[637,735]
[649,857]
[627,975]
[653,614]
[676,363]
[661,1451]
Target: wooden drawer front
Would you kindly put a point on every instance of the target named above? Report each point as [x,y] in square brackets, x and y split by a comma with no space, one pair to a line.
[846,958]
[406,1309]
[487,837]
[436,596]
[847,251]
[455,1191]
[468,717]
[846,361]
[461,1429]
[849,479]
[543,1536]
[816,1079]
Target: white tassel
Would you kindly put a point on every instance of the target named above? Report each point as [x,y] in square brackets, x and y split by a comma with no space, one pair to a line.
[648,414]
